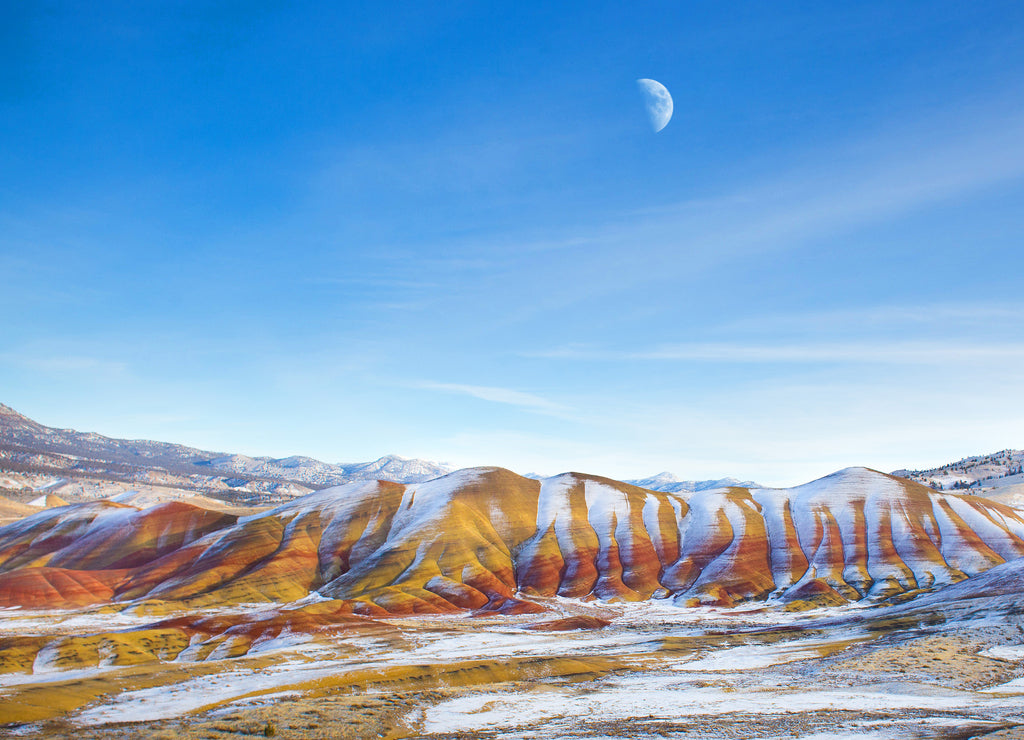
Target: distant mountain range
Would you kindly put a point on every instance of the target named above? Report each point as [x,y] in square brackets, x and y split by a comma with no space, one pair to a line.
[320,474]
[669,483]
[38,457]
[85,466]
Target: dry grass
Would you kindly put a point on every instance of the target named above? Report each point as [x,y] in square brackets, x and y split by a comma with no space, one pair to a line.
[949,660]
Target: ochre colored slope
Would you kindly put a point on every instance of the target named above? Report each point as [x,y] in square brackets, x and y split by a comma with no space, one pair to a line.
[14,509]
[487,539]
[52,501]
[42,587]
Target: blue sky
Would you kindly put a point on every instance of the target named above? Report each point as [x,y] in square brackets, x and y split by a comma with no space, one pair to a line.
[449,232]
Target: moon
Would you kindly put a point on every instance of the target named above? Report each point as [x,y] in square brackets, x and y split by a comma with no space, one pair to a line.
[658,102]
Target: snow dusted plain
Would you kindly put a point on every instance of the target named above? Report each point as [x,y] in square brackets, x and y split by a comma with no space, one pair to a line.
[657,670]
[763,687]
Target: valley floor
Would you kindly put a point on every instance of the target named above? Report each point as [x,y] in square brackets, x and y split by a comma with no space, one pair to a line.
[654,671]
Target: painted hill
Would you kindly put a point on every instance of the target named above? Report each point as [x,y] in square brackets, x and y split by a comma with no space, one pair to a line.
[488,539]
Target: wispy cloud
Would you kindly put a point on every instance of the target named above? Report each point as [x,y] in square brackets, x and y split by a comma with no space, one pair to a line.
[506,396]
[940,316]
[65,364]
[899,353]
[372,282]
[852,185]
[873,179]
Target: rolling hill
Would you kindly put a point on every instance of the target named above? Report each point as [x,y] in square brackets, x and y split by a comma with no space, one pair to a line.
[487,539]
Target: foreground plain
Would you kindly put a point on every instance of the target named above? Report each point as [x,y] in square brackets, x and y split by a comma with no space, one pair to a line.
[940,670]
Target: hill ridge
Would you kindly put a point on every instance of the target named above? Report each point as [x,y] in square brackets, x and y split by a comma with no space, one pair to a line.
[29,445]
[489,539]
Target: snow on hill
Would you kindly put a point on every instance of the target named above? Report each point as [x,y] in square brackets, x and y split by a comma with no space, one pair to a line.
[996,470]
[488,539]
[398,469]
[320,474]
[669,483]
[26,446]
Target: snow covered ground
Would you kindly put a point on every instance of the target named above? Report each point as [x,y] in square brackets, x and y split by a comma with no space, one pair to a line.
[658,667]
[561,712]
